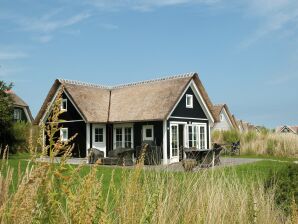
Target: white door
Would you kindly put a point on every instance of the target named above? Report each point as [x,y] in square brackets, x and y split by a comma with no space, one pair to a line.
[99,137]
[174,143]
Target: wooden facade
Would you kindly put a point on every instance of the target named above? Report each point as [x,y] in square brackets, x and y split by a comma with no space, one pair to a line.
[187,124]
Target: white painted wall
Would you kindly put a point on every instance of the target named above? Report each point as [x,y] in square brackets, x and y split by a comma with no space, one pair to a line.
[225,124]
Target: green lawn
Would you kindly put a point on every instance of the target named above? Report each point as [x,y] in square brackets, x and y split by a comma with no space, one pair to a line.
[246,173]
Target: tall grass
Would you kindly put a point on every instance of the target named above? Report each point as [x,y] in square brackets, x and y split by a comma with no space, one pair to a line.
[263,143]
[58,193]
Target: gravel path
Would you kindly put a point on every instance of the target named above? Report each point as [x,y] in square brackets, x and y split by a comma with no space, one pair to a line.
[176,167]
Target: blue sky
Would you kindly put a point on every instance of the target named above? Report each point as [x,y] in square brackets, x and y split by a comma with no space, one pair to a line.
[246,52]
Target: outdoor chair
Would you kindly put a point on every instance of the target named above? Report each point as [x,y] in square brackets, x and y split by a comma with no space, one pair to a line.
[217,151]
[235,148]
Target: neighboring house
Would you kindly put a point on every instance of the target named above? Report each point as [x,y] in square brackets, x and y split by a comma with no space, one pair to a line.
[21,110]
[287,129]
[224,120]
[239,125]
[172,112]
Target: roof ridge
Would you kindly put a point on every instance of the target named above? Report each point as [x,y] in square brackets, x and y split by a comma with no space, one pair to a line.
[179,76]
[80,83]
[75,82]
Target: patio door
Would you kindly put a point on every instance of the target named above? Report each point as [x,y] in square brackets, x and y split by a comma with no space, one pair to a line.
[99,137]
[174,143]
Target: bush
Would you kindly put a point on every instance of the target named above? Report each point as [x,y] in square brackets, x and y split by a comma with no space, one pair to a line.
[285,183]
[231,136]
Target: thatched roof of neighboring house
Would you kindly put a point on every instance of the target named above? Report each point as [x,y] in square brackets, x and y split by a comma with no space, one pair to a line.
[18,102]
[217,110]
[148,100]
[294,129]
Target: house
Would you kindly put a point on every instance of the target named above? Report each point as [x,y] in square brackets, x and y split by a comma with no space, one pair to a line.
[287,129]
[21,110]
[224,120]
[173,112]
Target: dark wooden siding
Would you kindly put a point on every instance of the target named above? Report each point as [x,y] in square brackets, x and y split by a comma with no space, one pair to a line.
[138,132]
[75,125]
[195,112]
[23,114]
[138,135]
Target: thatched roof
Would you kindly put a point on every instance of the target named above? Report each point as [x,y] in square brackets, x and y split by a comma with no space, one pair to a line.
[149,100]
[217,110]
[294,129]
[18,102]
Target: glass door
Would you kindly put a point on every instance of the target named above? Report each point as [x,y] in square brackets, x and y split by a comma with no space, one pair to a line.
[174,142]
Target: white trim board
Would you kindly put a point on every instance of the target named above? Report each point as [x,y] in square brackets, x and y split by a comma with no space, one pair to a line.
[199,98]
[190,118]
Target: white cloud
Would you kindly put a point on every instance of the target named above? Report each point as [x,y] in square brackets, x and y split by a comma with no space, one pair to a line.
[44,38]
[9,72]
[145,5]
[6,55]
[109,26]
[47,25]
[274,16]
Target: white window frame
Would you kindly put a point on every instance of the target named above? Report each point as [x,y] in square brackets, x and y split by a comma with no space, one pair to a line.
[103,134]
[190,97]
[145,127]
[122,127]
[171,140]
[196,126]
[17,114]
[61,134]
[62,103]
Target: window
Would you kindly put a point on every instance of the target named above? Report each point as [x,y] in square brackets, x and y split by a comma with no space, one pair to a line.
[64,134]
[192,136]
[221,117]
[17,114]
[118,137]
[197,136]
[148,132]
[128,142]
[189,101]
[64,104]
[123,136]
[202,137]
[98,132]
[174,141]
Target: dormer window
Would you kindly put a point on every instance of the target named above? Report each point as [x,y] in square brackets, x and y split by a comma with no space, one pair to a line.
[64,105]
[189,101]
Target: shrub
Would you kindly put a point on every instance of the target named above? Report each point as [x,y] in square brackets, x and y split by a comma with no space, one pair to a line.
[231,136]
[285,183]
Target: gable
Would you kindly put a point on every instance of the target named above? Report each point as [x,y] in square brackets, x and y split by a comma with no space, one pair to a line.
[71,114]
[182,111]
[224,122]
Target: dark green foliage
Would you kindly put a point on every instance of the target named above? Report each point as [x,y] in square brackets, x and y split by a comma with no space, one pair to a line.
[285,182]
[21,131]
[6,135]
